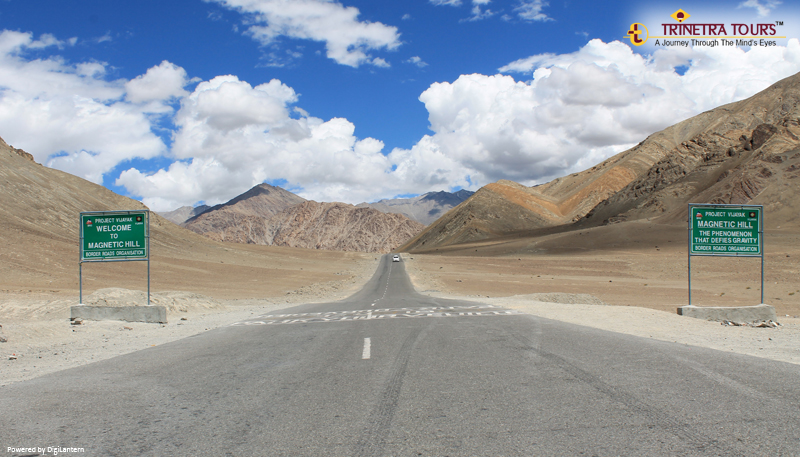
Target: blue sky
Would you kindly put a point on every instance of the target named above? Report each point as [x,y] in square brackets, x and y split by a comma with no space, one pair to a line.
[193,101]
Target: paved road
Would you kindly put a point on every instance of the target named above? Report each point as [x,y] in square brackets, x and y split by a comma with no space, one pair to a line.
[389,372]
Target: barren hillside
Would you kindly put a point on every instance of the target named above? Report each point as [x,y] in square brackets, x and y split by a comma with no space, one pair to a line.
[425,208]
[228,219]
[749,152]
[39,209]
[744,152]
[330,226]
[184,213]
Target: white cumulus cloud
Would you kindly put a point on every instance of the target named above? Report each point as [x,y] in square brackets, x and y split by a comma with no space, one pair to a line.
[579,108]
[542,117]
[163,82]
[347,40]
[232,136]
[68,116]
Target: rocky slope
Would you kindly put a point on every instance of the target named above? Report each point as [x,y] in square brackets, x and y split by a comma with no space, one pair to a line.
[749,153]
[425,208]
[230,221]
[743,152]
[39,239]
[43,202]
[39,210]
[184,213]
[272,216]
[330,226]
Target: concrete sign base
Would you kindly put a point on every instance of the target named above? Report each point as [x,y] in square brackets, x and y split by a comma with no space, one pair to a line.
[737,314]
[149,314]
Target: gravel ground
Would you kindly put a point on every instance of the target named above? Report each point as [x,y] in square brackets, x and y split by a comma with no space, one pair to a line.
[41,340]
[781,343]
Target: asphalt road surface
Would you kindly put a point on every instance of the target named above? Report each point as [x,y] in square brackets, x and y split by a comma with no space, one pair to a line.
[389,372]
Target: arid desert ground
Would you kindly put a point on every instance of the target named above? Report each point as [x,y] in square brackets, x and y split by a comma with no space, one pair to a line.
[635,274]
[633,264]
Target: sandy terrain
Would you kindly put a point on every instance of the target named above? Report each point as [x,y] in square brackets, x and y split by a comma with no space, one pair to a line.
[637,286]
[39,335]
[641,283]
[634,264]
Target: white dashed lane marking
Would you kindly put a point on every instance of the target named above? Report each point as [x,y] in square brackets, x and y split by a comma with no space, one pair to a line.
[385,289]
[367,345]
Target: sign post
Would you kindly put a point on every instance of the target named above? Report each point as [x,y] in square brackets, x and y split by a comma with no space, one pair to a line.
[114,236]
[726,230]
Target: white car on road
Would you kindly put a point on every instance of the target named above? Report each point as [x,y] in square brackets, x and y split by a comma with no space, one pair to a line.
[396,258]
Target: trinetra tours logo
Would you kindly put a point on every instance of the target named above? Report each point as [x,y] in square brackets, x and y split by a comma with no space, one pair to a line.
[682,33]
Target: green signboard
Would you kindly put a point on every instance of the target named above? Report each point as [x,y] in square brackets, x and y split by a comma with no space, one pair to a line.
[114,235]
[725,230]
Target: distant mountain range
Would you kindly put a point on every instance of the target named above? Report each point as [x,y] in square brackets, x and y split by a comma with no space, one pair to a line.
[271,215]
[184,213]
[334,226]
[743,152]
[229,221]
[746,152]
[424,208]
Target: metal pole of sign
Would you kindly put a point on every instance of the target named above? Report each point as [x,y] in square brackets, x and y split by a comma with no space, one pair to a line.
[761,240]
[148,258]
[80,261]
[689,249]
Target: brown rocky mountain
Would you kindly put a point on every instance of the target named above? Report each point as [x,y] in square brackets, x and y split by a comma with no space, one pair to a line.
[273,216]
[331,226]
[231,219]
[743,152]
